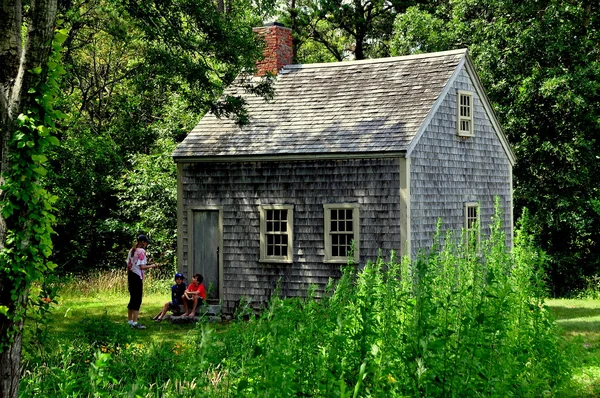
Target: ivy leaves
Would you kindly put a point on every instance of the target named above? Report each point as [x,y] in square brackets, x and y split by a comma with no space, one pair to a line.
[26,206]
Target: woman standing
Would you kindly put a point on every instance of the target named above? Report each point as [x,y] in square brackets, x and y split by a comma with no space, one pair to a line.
[136,265]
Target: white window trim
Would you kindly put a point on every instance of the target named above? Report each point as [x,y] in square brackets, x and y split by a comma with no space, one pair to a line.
[328,258]
[288,259]
[459,118]
[468,227]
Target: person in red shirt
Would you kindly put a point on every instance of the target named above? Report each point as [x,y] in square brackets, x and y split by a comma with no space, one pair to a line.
[195,292]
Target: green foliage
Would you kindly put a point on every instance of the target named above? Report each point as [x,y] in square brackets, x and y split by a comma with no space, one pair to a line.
[538,61]
[139,76]
[335,30]
[27,207]
[457,322]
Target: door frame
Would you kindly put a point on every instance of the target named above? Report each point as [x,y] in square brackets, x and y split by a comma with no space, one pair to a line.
[190,237]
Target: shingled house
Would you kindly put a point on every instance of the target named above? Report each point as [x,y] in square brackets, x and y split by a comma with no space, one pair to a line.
[371,152]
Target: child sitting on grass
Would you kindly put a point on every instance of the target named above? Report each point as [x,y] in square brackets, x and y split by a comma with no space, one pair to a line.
[194,293]
[177,292]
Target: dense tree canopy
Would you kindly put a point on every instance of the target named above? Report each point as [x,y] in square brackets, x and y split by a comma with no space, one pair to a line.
[540,63]
[140,74]
[337,30]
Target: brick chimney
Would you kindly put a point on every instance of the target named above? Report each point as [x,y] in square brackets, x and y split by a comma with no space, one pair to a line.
[278,48]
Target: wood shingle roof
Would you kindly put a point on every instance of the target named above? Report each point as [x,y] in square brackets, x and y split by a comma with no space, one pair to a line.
[334,108]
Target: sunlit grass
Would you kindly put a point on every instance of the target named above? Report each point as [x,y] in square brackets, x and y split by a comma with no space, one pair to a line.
[104,295]
[580,320]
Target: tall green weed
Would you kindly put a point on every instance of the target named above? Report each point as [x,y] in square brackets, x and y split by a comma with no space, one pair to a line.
[462,320]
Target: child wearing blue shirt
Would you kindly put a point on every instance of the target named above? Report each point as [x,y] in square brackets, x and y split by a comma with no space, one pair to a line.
[177,290]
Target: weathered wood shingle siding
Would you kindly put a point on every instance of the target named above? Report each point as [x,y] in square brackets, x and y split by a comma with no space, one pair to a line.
[241,187]
[447,171]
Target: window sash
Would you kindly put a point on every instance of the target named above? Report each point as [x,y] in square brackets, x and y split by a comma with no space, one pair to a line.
[472,220]
[465,113]
[276,233]
[341,229]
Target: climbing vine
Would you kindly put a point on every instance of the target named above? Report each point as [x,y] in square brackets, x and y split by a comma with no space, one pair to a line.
[26,206]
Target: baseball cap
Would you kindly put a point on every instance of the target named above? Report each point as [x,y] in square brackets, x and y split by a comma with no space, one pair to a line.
[143,238]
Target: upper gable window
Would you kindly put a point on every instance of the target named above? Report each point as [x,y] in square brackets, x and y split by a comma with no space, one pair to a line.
[465,113]
[276,233]
[341,232]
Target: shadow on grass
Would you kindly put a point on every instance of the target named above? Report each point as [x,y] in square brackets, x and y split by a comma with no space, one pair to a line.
[564,312]
[580,326]
[67,316]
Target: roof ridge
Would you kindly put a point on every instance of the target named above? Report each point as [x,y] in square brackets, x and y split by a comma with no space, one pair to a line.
[378,60]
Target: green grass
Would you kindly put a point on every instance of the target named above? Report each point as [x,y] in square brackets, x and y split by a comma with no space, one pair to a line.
[580,321]
[67,314]
[104,296]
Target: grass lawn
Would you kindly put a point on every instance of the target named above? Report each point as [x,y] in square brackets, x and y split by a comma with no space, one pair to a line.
[580,320]
[75,305]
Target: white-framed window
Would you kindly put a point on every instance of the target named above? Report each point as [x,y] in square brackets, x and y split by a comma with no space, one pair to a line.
[276,233]
[472,220]
[341,232]
[464,121]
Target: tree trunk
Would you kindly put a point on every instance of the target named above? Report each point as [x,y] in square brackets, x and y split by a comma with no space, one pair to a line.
[15,83]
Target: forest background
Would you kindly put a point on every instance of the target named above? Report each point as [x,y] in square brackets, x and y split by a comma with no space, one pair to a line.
[134,88]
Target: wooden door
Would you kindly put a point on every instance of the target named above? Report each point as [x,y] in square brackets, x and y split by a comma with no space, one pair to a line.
[206,250]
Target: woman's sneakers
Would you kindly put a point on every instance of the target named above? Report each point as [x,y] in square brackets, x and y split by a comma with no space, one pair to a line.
[136,325]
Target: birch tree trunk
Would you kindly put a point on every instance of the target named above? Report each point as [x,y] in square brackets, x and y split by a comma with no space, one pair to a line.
[16,58]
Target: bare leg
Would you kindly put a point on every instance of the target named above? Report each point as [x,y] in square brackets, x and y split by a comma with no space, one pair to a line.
[135,315]
[193,313]
[130,315]
[163,312]
[185,306]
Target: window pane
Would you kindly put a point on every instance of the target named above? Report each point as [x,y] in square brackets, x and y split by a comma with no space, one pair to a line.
[275,226]
[343,251]
[465,125]
[334,215]
[335,239]
[270,245]
[334,251]
[277,250]
[344,240]
[269,226]
[284,239]
[333,226]
[284,226]
[349,226]
[341,225]
[269,215]
[349,214]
